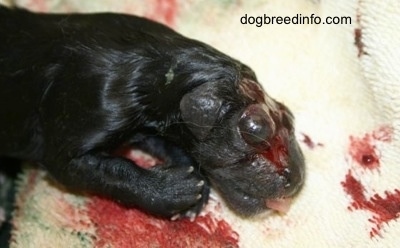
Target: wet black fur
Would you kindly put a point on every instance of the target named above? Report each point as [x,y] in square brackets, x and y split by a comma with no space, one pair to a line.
[73,88]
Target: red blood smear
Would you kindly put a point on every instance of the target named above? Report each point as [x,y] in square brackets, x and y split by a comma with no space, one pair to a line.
[355,189]
[358,42]
[121,227]
[384,209]
[308,141]
[164,11]
[36,5]
[363,150]
[384,133]
[277,153]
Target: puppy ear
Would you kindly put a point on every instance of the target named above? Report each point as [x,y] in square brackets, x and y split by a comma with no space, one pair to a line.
[200,109]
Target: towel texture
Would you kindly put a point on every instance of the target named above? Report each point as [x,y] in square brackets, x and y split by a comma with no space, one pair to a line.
[342,83]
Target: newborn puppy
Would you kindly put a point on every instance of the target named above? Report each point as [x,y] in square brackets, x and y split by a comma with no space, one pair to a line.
[76,88]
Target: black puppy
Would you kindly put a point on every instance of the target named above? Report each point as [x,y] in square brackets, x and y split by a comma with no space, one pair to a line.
[74,88]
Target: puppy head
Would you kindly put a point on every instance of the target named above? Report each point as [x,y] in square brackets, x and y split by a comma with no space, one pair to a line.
[245,143]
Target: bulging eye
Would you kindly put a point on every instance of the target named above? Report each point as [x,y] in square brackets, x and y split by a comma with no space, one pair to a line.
[255,126]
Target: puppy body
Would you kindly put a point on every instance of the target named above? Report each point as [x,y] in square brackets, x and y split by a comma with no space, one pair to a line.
[75,88]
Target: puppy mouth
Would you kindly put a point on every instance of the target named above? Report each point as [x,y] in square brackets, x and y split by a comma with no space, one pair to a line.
[294,182]
[265,180]
[287,161]
[281,205]
[291,173]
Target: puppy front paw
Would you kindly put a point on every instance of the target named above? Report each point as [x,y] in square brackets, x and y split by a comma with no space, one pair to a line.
[175,191]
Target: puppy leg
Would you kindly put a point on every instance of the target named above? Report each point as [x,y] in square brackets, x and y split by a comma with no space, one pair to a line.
[172,188]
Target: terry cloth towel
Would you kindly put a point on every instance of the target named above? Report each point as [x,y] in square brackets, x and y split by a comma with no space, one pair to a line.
[342,83]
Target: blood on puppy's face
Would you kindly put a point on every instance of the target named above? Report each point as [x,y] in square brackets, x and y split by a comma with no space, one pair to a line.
[248,150]
[77,87]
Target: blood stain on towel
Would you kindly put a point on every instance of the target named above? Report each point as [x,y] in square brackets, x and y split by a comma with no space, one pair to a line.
[363,150]
[383,209]
[358,42]
[358,33]
[122,227]
[164,11]
[37,5]
[309,142]
[117,226]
